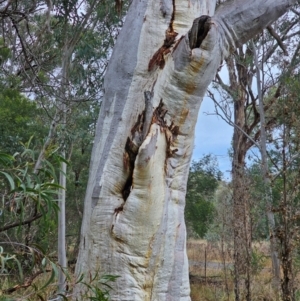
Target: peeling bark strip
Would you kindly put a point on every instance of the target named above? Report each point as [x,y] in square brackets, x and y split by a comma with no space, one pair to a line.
[159,115]
[158,57]
[199,31]
[171,131]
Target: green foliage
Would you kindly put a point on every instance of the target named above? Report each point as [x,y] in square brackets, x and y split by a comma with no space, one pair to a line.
[28,208]
[98,287]
[27,198]
[260,230]
[40,265]
[5,298]
[297,295]
[4,51]
[257,261]
[19,120]
[5,260]
[221,228]
[202,183]
[283,193]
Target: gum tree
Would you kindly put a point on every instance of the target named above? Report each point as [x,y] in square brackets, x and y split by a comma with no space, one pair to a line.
[165,57]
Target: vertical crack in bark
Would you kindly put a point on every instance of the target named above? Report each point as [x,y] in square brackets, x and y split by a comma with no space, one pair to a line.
[148,113]
[131,151]
[158,57]
[129,156]
[139,133]
[199,31]
[172,17]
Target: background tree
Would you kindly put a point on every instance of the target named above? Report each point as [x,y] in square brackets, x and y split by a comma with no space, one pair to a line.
[204,178]
[240,108]
[285,180]
[20,119]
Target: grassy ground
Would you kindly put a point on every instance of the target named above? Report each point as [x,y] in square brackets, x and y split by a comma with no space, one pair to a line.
[211,275]
[213,281]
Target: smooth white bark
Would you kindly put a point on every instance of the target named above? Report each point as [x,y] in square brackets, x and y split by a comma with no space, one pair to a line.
[61,240]
[62,257]
[142,238]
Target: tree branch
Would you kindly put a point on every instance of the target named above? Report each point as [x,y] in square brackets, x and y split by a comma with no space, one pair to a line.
[230,122]
[26,284]
[277,38]
[16,224]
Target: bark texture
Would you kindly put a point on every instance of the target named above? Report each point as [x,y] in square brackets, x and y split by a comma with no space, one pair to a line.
[237,89]
[133,222]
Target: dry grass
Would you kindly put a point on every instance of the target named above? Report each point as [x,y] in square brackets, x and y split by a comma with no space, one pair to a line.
[196,251]
[215,282]
[208,275]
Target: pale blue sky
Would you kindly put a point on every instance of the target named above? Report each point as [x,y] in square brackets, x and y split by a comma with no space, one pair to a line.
[213,135]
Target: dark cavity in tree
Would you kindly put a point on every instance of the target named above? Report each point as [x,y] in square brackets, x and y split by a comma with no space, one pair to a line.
[199,31]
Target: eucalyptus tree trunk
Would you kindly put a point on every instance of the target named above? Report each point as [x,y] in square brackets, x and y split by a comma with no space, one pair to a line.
[62,256]
[237,89]
[163,61]
[61,241]
[266,179]
[241,212]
